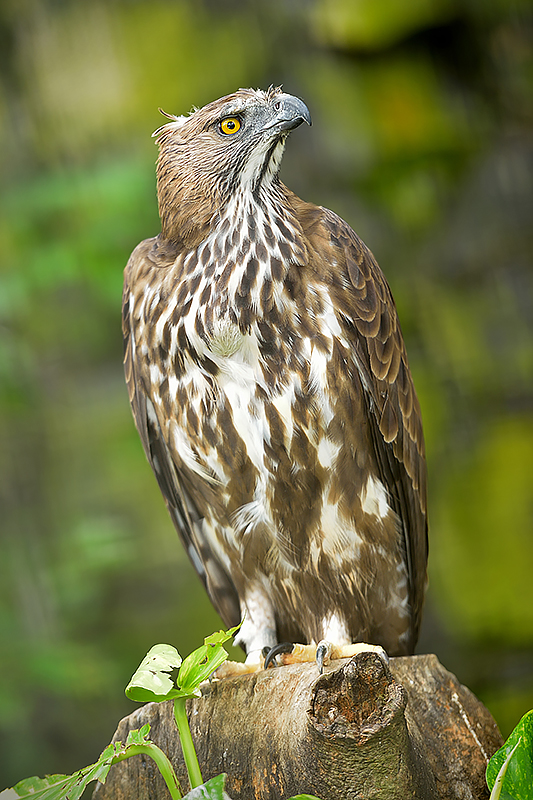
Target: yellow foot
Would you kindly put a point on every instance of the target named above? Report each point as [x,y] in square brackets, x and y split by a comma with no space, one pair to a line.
[230,669]
[324,652]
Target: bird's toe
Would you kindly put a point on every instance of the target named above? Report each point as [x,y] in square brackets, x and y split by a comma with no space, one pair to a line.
[283,648]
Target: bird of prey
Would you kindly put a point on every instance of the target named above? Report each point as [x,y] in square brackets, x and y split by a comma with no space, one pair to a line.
[271,390]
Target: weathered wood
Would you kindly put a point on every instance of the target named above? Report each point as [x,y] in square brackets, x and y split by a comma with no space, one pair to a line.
[361,730]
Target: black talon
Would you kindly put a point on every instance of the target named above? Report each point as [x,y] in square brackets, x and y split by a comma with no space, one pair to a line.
[320,655]
[282,647]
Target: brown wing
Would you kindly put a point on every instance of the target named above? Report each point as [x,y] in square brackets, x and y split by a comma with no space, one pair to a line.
[183,511]
[366,308]
[394,411]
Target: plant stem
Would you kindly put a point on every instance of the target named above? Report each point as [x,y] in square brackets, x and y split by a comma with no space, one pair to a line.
[187,746]
[165,767]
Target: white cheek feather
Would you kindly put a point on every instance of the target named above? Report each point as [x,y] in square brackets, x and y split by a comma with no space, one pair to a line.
[274,163]
[256,162]
[253,168]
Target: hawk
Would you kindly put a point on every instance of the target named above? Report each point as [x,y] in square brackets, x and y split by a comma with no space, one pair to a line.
[271,390]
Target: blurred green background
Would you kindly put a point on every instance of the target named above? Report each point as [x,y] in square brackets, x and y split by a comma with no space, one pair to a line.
[422,140]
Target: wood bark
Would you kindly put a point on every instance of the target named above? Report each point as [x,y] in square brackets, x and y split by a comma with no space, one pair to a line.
[361,730]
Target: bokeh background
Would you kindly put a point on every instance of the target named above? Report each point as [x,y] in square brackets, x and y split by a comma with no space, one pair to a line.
[422,140]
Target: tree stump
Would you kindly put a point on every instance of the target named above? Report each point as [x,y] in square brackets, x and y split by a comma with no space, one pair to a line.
[360,730]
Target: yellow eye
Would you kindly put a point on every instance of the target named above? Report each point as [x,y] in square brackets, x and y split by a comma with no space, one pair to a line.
[230,125]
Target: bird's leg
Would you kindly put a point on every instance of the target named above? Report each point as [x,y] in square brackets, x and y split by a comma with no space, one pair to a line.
[257,633]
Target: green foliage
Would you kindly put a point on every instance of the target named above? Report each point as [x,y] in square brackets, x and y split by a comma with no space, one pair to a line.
[479,492]
[510,770]
[211,790]
[371,26]
[71,787]
[202,662]
[156,680]
[163,675]
[152,681]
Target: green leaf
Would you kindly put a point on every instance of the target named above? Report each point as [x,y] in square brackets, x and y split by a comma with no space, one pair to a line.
[155,680]
[57,787]
[152,682]
[33,786]
[212,790]
[518,778]
[498,783]
[197,668]
[71,787]
[138,736]
[219,637]
[203,661]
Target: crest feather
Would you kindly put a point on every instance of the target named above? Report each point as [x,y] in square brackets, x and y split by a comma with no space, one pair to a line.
[177,122]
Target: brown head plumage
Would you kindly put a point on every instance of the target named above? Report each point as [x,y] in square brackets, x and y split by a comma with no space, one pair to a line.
[233,143]
[270,386]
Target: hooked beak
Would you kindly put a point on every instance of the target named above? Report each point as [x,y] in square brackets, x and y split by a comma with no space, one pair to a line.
[289,112]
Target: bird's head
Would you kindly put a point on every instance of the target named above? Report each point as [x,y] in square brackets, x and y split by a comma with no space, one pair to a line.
[234,144]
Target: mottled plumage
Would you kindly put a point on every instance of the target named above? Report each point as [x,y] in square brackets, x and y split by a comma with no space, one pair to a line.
[270,387]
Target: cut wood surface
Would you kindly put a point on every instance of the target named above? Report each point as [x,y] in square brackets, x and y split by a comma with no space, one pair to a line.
[361,730]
